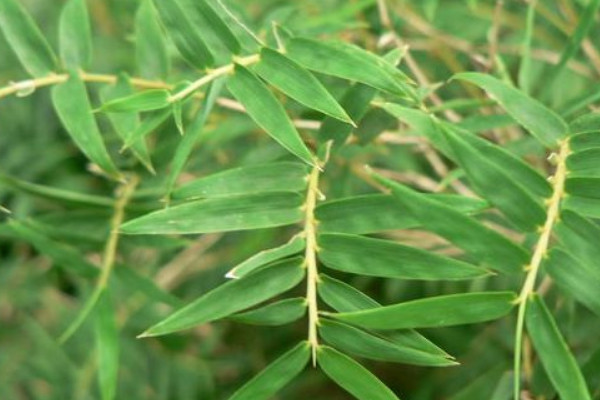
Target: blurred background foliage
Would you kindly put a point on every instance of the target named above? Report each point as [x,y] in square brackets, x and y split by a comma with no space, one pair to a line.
[39,298]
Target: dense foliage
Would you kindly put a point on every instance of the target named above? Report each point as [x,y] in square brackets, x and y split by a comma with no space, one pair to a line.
[210,199]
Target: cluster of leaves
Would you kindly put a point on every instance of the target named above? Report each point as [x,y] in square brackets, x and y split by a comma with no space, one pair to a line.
[510,240]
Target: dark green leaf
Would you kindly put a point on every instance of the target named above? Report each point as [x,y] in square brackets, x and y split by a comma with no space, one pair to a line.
[279,313]
[221,214]
[75,35]
[584,163]
[583,187]
[267,111]
[559,363]
[587,206]
[232,297]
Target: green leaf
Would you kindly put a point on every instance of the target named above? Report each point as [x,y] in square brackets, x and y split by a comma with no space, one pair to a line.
[579,280]
[278,313]
[385,258]
[481,242]
[25,39]
[380,212]
[584,163]
[148,100]
[186,37]
[558,362]
[493,183]
[543,123]
[369,345]
[73,107]
[152,58]
[127,122]
[212,22]
[295,245]
[134,280]
[75,35]
[261,178]
[587,206]
[299,84]
[148,125]
[584,187]
[584,141]
[579,236]
[273,378]
[349,62]
[221,214]
[232,297]
[107,345]
[264,108]
[352,376]
[448,310]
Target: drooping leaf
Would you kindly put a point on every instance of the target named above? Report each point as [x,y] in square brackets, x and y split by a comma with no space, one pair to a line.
[261,178]
[107,345]
[25,39]
[148,100]
[295,245]
[186,37]
[152,58]
[551,348]
[279,313]
[267,111]
[481,242]
[281,371]
[369,345]
[232,297]
[220,215]
[75,35]
[73,107]
[385,258]
[448,310]
[298,83]
[349,62]
[544,124]
[380,212]
[352,376]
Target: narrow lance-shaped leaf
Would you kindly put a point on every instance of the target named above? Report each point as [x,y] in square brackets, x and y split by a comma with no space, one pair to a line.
[221,215]
[232,297]
[148,125]
[25,39]
[351,376]
[481,242]
[107,345]
[296,82]
[267,111]
[260,178]
[216,25]
[275,376]
[148,100]
[449,310]
[186,37]
[134,280]
[551,348]
[152,58]
[584,163]
[74,110]
[543,123]
[385,258]
[295,245]
[75,35]
[278,313]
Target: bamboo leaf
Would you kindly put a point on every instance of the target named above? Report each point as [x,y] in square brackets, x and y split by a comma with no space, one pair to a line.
[352,376]
[75,35]
[384,258]
[213,23]
[585,141]
[261,178]
[186,37]
[239,294]
[349,62]
[298,83]
[481,242]
[559,363]
[221,215]
[25,39]
[579,237]
[583,187]
[584,163]
[73,107]
[295,245]
[134,280]
[278,313]
[448,310]
[273,378]
[542,122]
[107,345]
[368,345]
[148,125]
[267,112]
[587,206]
[148,100]
[152,58]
